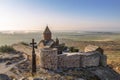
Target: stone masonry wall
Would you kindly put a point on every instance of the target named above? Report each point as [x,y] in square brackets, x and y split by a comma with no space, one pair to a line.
[48,59]
[90,60]
[70,60]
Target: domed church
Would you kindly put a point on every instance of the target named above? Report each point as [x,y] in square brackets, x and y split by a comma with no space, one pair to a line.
[47,41]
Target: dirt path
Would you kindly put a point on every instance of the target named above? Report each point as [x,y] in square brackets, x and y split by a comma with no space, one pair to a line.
[4,68]
[26,50]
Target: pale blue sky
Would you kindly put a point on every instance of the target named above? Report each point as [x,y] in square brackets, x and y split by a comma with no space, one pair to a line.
[103,15]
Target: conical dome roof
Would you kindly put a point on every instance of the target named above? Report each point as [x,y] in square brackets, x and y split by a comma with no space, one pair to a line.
[47,30]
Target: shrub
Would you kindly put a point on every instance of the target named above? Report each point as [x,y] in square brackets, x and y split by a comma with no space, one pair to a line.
[72,49]
[24,43]
[76,50]
[6,48]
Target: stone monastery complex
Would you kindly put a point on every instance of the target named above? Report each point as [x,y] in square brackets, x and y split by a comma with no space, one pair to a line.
[53,57]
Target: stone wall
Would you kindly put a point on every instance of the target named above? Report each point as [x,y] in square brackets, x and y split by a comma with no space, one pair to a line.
[103,60]
[90,60]
[61,61]
[70,60]
[48,58]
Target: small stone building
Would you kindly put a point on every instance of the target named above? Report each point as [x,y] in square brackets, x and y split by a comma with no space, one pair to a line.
[90,48]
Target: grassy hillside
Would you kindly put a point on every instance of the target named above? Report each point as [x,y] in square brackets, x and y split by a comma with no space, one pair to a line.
[111,49]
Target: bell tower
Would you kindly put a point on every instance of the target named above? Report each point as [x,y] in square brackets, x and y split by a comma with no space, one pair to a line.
[47,34]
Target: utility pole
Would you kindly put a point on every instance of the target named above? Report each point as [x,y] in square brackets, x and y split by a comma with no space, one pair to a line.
[33,44]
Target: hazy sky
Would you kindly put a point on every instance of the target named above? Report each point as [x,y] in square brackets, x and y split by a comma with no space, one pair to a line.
[60,14]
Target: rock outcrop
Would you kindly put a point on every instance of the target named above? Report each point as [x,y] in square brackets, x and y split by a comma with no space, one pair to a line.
[4,77]
[91,48]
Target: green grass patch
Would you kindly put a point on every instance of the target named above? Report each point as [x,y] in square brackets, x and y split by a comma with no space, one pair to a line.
[6,48]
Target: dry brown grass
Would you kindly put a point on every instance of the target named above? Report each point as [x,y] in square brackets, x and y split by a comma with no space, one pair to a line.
[111,49]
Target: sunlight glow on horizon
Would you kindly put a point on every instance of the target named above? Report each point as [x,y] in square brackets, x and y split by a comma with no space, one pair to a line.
[35,15]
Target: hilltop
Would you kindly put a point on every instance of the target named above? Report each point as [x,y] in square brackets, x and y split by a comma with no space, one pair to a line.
[19,65]
[22,70]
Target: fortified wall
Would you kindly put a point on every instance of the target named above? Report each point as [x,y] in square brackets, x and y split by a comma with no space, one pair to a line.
[50,59]
[53,57]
